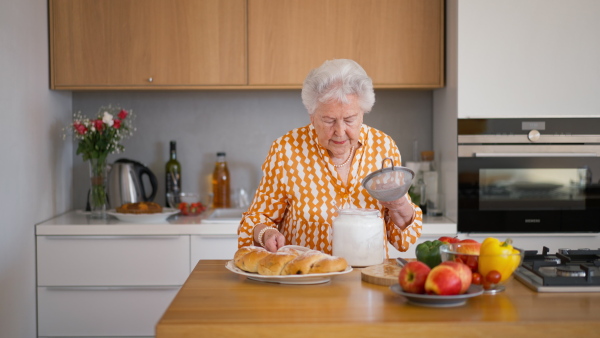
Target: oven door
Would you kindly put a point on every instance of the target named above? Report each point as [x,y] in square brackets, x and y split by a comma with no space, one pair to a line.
[529,188]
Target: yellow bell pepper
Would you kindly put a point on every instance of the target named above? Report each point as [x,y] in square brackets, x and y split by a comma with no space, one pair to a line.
[499,256]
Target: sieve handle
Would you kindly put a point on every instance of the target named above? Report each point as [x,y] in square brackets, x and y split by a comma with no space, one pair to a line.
[383,162]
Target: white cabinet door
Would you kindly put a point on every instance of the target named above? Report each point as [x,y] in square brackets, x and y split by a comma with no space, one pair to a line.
[112,260]
[527,58]
[101,311]
[212,247]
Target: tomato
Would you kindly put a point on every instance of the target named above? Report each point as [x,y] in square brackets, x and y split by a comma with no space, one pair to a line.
[471,262]
[487,285]
[493,277]
[476,278]
[191,209]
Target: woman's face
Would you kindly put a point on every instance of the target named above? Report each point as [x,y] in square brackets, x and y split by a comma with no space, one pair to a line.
[338,125]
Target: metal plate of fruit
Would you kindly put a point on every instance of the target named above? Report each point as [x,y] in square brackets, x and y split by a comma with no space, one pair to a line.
[436,300]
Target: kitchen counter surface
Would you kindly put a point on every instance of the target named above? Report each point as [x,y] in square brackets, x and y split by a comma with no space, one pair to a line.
[215,302]
[77,222]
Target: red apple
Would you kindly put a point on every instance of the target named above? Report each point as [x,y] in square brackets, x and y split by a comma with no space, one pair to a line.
[412,277]
[443,280]
[468,246]
[464,272]
[449,239]
[470,249]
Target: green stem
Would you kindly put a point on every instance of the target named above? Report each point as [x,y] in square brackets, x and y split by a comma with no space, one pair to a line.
[98,178]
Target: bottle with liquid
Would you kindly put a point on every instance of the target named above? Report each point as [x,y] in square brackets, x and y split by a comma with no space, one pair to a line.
[220,183]
[172,174]
[418,190]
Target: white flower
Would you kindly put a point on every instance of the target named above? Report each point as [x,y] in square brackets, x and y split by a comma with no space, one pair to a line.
[107,118]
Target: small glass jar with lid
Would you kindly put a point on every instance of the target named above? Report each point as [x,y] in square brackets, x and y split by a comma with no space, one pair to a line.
[358,236]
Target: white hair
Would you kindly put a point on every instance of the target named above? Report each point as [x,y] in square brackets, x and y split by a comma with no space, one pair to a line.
[333,81]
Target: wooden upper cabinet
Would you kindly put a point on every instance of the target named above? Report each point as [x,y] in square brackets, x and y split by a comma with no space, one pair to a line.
[198,44]
[398,42]
[158,44]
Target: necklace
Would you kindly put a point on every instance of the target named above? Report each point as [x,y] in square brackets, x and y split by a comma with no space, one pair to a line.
[347,160]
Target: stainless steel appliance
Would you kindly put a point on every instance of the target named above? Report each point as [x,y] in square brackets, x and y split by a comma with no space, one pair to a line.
[529,175]
[126,183]
[568,270]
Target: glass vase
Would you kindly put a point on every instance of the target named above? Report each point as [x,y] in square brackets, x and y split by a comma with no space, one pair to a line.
[98,178]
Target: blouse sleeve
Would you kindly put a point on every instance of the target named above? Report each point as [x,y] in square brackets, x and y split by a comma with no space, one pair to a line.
[403,239]
[270,201]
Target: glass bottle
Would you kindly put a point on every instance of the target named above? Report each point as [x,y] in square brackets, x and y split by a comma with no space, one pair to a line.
[220,183]
[172,174]
[417,191]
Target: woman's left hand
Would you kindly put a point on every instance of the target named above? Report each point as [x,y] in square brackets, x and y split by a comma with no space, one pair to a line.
[401,211]
[273,240]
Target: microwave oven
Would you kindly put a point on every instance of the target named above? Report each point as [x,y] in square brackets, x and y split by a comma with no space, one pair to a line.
[529,175]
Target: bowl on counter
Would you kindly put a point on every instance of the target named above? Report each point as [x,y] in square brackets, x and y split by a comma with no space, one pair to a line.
[188,203]
[484,265]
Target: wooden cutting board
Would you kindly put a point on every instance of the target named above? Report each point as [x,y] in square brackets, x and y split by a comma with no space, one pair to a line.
[382,274]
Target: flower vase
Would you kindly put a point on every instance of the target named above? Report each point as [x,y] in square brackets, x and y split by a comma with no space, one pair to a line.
[98,178]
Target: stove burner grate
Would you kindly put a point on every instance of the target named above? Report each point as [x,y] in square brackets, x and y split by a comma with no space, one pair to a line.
[566,268]
[569,271]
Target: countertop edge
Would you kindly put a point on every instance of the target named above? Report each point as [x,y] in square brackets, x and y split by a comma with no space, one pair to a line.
[76,223]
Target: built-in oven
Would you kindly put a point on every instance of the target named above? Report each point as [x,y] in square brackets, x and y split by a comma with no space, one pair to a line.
[529,175]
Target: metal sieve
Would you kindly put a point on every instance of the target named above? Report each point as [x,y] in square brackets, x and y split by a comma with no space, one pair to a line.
[388,184]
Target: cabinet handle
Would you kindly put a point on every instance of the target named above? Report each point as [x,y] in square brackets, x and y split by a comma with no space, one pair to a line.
[216,236]
[536,154]
[111,288]
[150,79]
[111,237]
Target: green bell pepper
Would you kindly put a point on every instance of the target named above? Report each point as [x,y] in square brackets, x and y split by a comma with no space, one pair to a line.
[428,252]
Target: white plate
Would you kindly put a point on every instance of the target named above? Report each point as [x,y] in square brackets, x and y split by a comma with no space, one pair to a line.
[144,218]
[438,301]
[314,278]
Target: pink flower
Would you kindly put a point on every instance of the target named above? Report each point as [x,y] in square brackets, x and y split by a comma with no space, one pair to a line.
[79,128]
[99,125]
[123,114]
[116,123]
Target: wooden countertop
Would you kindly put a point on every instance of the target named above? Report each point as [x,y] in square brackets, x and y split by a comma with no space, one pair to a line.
[215,302]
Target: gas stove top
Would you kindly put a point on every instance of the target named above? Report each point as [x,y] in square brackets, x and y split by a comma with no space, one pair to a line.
[568,270]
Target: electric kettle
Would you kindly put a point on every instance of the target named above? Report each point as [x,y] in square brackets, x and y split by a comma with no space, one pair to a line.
[126,184]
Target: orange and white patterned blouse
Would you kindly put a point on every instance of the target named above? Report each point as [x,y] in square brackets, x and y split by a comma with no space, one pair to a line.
[301,192]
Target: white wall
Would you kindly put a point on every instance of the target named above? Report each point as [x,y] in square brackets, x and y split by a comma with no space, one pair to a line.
[445,113]
[35,174]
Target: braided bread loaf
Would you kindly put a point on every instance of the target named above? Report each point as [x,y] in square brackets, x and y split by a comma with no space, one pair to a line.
[286,261]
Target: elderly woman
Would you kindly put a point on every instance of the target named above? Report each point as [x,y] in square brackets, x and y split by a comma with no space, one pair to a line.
[313,171]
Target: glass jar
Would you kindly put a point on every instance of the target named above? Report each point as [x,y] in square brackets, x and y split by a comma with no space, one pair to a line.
[358,236]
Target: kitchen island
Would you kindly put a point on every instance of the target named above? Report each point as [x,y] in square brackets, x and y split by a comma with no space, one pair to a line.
[215,302]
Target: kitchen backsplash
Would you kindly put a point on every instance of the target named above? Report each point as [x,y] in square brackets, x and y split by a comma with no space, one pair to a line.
[241,123]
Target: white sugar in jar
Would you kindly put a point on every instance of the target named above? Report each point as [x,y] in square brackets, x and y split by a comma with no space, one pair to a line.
[358,237]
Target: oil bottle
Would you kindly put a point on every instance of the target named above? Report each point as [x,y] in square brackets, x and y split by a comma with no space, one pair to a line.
[220,183]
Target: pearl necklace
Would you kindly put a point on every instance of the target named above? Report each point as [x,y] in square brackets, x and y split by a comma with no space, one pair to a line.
[347,160]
